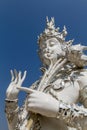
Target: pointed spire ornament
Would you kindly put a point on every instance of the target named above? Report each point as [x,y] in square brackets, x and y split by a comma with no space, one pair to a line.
[52,32]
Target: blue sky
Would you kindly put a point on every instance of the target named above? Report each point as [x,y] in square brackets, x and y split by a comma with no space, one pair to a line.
[21,21]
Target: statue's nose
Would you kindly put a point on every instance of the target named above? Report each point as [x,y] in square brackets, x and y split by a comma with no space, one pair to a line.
[47,49]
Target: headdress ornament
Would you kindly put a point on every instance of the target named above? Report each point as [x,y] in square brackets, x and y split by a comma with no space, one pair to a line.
[51,31]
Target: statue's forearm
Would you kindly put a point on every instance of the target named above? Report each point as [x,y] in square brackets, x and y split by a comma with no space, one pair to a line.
[71,113]
[11,109]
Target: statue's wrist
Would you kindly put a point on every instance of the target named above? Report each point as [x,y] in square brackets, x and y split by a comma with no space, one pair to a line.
[11,105]
[11,100]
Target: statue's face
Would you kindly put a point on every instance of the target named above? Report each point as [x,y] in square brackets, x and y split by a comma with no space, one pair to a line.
[51,49]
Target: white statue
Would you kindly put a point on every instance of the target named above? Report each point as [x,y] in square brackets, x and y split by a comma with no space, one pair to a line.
[58,100]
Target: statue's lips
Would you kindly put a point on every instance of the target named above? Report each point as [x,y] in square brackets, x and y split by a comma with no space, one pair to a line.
[48,54]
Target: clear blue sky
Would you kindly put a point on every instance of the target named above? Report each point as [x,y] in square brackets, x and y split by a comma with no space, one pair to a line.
[21,21]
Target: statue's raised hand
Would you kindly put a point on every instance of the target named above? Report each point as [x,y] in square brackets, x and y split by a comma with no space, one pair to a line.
[16,81]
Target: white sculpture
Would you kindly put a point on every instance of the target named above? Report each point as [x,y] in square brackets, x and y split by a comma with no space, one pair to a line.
[53,101]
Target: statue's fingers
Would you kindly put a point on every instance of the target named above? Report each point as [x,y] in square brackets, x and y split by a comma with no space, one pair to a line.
[16,76]
[28,90]
[24,76]
[12,75]
[15,73]
[19,75]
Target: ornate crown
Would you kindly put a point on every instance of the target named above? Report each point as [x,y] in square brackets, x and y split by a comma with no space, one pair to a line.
[50,31]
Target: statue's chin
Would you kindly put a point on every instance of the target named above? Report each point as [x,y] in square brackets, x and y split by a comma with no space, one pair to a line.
[48,60]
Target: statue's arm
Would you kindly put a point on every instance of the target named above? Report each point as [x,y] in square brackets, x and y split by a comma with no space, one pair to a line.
[11,101]
[46,105]
[11,110]
[74,115]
